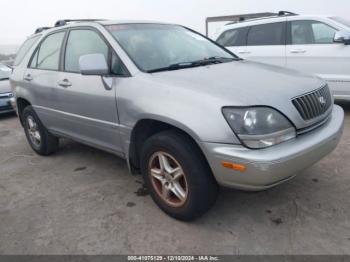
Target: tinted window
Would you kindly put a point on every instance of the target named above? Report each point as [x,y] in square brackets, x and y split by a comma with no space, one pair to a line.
[311,32]
[234,37]
[24,49]
[267,34]
[47,56]
[83,42]
[117,67]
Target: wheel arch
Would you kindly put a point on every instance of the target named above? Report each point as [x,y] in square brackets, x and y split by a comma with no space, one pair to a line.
[21,104]
[148,127]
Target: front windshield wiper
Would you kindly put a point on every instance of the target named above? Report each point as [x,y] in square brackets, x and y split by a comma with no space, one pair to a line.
[203,62]
[219,59]
[174,67]
[4,78]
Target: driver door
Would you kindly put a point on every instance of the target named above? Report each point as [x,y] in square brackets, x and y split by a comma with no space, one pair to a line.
[311,50]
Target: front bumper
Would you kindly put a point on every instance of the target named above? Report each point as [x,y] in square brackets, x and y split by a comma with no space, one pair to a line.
[268,167]
[6,104]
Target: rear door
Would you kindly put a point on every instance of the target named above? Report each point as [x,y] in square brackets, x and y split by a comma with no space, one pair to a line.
[311,50]
[42,75]
[266,44]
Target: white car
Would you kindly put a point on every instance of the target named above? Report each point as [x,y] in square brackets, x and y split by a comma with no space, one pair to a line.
[311,44]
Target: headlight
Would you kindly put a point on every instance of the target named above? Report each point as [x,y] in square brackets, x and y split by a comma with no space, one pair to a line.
[259,127]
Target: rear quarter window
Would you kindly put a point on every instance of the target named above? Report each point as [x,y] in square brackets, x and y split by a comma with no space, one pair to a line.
[25,47]
[233,37]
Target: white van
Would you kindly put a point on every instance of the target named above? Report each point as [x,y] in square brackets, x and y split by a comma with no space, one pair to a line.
[312,44]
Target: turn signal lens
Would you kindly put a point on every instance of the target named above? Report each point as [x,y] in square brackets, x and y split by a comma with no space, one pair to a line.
[234,166]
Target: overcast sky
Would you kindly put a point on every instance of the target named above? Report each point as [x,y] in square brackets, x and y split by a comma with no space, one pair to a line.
[19,18]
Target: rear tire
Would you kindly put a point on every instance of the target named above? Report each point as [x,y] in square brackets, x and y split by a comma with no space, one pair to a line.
[169,155]
[39,138]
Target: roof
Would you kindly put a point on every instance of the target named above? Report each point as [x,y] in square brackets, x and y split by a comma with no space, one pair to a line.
[73,22]
[272,18]
[296,16]
[114,22]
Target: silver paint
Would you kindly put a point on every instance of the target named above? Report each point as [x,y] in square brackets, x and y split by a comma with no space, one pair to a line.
[189,99]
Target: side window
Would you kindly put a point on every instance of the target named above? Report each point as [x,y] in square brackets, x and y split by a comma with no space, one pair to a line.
[233,37]
[117,66]
[267,34]
[323,33]
[83,42]
[47,56]
[311,32]
[24,49]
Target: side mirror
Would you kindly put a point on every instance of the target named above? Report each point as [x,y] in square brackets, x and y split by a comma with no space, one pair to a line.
[93,64]
[342,37]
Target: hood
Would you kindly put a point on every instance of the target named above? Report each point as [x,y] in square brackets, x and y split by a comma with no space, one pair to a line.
[5,86]
[244,83]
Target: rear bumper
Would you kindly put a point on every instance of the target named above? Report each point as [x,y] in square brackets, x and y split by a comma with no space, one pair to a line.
[14,104]
[341,97]
[268,167]
[340,86]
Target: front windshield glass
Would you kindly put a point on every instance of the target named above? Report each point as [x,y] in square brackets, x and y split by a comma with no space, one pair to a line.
[4,72]
[341,21]
[154,46]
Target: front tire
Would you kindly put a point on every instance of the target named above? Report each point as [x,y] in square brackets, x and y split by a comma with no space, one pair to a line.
[177,175]
[39,138]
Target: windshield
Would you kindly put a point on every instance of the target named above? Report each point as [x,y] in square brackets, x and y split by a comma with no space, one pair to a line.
[4,72]
[154,46]
[341,21]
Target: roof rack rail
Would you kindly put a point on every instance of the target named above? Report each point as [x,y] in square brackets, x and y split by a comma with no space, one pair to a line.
[40,29]
[263,15]
[244,17]
[284,13]
[66,21]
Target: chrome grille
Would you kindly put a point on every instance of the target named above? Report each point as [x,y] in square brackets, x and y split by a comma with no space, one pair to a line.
[313,104]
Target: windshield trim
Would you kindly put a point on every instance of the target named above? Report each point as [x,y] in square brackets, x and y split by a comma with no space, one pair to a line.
[234,56]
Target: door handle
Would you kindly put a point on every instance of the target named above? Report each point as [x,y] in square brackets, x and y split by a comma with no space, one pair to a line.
[243,52]
[298,51]
[28,77]
[64,83]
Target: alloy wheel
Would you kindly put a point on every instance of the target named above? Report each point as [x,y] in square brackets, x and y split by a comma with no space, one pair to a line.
[33,131]
[168,179]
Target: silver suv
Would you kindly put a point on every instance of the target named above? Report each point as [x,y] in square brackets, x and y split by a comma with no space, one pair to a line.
[185,112]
